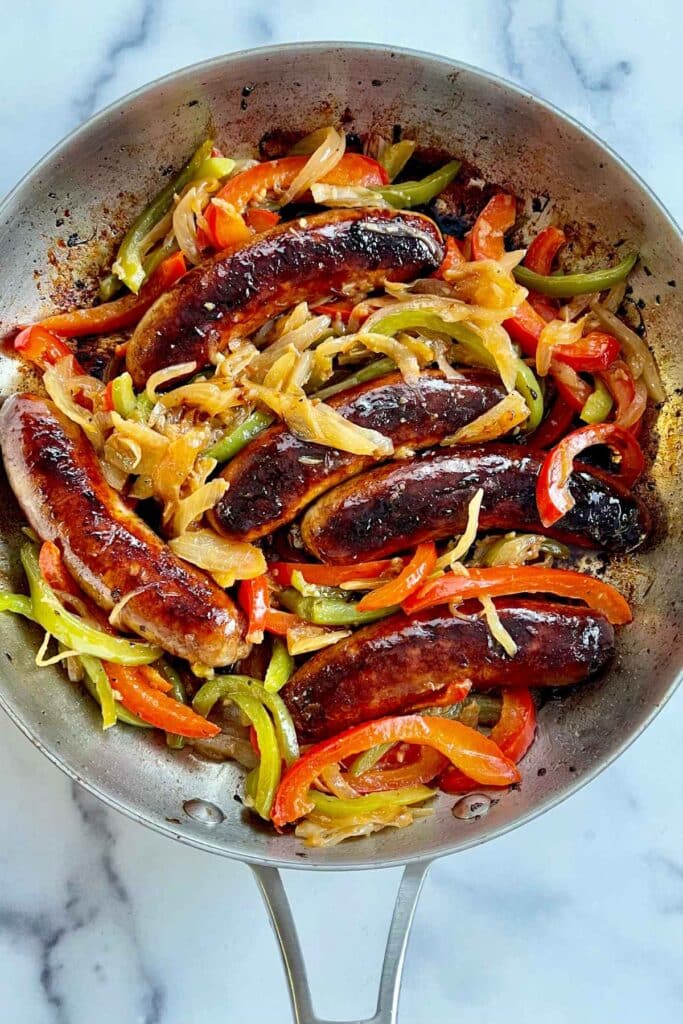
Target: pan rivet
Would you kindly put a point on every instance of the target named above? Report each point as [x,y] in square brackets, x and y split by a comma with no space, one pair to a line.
[474,805]
[203,811]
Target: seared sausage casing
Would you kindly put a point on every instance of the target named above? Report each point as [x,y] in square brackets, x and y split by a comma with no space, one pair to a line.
[233,294]
[398,505]
[400,663]
[278,474]
[110,551]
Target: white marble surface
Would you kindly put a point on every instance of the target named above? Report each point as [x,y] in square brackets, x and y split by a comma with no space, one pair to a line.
[577,917]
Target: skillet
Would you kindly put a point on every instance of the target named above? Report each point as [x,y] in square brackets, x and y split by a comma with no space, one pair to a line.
[104,171]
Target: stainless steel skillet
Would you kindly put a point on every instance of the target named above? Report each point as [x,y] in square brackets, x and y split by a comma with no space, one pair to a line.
[54,233]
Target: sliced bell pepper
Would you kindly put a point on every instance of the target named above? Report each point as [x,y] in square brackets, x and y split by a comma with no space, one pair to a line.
[53,570]
[361,806]
[565,286]
[341,308]
[108,397]
[154,707]
[522,579]
[330,575]
[73,632]
[423,769]
[452,259]
[260,219]
[42,348]
[553,496]
[468,749]
[570,386]
[123,396]
[252,596]
[370,372]
[233,442]
[279,622]
[278,175]
[514,734]
[329,611]
[598,405]
[225,227]
[406,194]
[525,327]
[554,426]
[128,265]
[488,233]
[541,254]
[409,579]
[280,668]
[631,398]
[124,312]
[595,351]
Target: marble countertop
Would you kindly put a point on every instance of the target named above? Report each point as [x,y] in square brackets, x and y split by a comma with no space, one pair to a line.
[579,916]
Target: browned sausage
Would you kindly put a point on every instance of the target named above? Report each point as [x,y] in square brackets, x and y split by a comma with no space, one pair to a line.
[110,551]
[398,505]
[277,475]
[400,663]
[232,295]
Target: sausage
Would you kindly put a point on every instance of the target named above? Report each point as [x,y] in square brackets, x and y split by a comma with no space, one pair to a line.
[110,551]
[401,663]
[278,474]
[398,505]
[233,294]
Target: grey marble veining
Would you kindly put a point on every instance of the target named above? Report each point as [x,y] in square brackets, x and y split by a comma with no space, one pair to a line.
[579,916]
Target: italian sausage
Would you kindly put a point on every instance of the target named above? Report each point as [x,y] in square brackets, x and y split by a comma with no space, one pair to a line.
[398,505]
[233,294]
[278,474]
[110,551]
[401,663]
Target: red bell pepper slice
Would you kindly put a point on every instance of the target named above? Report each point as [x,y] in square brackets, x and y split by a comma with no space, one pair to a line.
[225,228]
[426,766]
[541,254]
[330,575]
[553,496]
[278,175]
[261,220]
[154,707]
[540,257]
[522,579]
[525,328]
[570,386]
[252,597]
[595,351]
[341,309]
[513,732]
[279,622]
[453,258]
[629,395]
[124,312]
[42,348]
[409,579]
[488,233]
[54,572]
[554,426]
[472,752]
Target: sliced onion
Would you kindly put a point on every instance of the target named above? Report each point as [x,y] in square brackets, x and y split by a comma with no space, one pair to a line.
[306,638]
[224,559]
[449,559]
[301,338]
[171,473]
[313,420]
[151,445]
[495,422]
[496,627]
[321,162]
[638,355]
[188,208]
[189,510]
[166,374]
[62,385]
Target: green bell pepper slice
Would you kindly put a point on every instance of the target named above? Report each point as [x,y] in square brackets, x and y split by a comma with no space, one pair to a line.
[123,396]
[280,668]
[73,632]
[19,604]
[233,443]
[373,370]
[94,671]
[329,611]
[335,807]
[128,266]
[407,194]
[598,405]
[396,156]
[564,286]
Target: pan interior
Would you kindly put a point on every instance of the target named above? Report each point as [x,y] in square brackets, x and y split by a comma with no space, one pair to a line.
[108,167]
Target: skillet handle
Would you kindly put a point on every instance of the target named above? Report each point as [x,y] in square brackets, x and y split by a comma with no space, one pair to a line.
[274,896]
